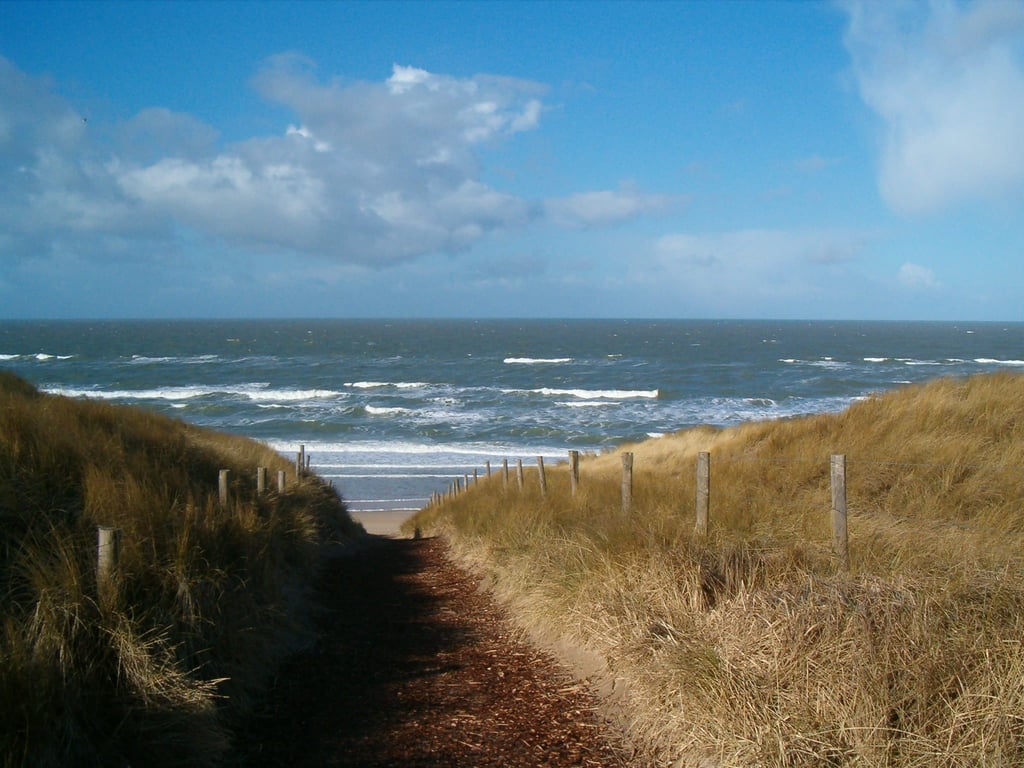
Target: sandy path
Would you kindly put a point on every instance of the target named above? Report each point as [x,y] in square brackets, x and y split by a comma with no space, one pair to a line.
[417,667]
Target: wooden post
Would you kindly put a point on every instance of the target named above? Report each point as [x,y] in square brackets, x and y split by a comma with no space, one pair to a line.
[504,473]
[108,545]
[280,481]
[261,480]
[703,491]
[225,475]
[574,471]
[487,464]
[627,482]
[476,478]
[541,477]
[519,473]
[840,537]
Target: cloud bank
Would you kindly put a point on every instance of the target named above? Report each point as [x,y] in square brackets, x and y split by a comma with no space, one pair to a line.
[947,80]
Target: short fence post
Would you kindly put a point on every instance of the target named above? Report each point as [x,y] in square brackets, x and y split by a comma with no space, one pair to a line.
[840,537]
[541,477]
[519,473]
[703,491]
[280,481]
[627,482]
[261,480]
[574,471]
[108,545]
[225,474]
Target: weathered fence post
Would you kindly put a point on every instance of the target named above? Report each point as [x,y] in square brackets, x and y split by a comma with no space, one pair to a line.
[280,481]
[627,482]
[840,537]
[504,473]
[222,484]
[519,473]
[541,477]
[703,491]
[261,480]
[108,546]
[476,477]
[487,465]
[574,471]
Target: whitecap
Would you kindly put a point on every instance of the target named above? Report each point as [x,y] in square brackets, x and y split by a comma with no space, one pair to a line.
[595,394]
[991,361]
[537,360]
[379,411]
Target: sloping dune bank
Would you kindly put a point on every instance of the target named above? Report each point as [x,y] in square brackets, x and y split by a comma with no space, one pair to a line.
[752,643]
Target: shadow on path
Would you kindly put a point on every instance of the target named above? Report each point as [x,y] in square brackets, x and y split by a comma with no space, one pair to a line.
[416,667]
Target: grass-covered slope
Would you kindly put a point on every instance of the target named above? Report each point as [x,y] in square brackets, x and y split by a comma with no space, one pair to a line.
[155,667]
[751,646]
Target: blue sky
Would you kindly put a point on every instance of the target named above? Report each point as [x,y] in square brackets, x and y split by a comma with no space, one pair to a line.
[512,159]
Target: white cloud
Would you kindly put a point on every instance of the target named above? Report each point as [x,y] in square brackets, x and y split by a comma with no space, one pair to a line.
[948,82]
[370,173]
[917,277]
[604,207]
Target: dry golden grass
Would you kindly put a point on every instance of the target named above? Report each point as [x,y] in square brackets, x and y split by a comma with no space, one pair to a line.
[750,646]
[157,668]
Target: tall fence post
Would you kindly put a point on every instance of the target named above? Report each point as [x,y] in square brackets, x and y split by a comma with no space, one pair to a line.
[487,466]
[627,482]
[261,480]
[222,483]
[108,545]
[703,491]
[541,477]
[280,481]
[476,476]
[574,471]
[840,535]
[519,473]
[300,461]
[504,473]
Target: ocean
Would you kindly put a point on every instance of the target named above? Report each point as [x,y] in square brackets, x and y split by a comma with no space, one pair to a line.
[392,411]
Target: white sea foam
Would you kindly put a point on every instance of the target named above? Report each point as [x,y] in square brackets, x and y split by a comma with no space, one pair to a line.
[9,357]
[537,360]
[380,411]
[387,384]
[990,361]
[589,394]
[256,392]
[442,453]
[590,403]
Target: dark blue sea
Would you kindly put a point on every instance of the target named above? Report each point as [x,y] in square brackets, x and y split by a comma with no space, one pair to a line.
[393,410]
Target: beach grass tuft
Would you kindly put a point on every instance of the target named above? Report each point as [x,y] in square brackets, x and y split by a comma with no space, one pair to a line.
[157,663]
[752,645]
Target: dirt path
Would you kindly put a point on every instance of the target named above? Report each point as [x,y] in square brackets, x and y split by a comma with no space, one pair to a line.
[416,667]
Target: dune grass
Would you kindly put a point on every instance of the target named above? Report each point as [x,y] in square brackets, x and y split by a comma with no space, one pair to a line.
[156,668]
[751,646]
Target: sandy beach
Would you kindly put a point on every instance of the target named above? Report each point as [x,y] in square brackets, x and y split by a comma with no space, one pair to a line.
[380,523]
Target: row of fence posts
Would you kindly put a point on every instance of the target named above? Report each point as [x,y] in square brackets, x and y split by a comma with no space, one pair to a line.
[840,534]
[108,538]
